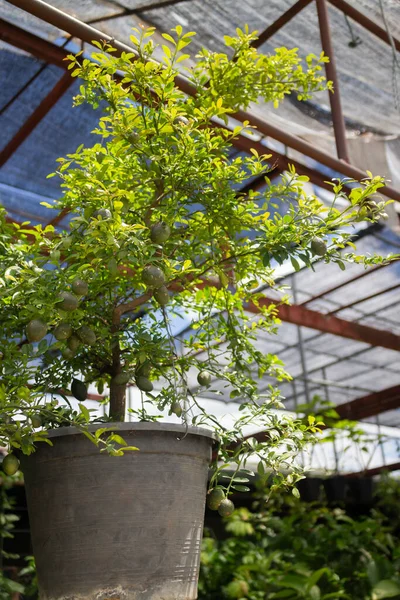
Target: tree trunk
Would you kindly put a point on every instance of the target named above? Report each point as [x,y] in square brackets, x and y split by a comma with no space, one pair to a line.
[117,401]
[117,392]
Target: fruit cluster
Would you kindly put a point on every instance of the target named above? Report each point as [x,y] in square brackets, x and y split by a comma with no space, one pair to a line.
[216,500]
[67,301]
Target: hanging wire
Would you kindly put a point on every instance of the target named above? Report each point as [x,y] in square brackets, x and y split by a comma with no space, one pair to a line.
[355,39]
[182,383]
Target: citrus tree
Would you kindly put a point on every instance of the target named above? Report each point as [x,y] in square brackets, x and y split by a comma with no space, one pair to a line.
[159,227]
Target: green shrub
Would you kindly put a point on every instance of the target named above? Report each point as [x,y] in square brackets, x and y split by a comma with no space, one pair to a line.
[293,550]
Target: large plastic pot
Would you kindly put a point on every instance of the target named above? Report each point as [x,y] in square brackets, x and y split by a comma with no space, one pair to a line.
[119,528]
[336,488]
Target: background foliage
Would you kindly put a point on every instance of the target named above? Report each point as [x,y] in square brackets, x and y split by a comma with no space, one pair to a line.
[287,548]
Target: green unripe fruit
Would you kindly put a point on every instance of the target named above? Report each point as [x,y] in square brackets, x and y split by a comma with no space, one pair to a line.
[62,332]
[176,408]
[143,369]
[79,287]
[10,464]
[214,498]
[204,378]
[102,213]
[73,343]
[161,295]
[36,330]
[87,335]
[121,379]
[144,384]
[226,507]
[133,137]
[79,390]
[36,421]
[237,589]
[67,353]
[153,276]
[318,247]
[68,301]
[160,232]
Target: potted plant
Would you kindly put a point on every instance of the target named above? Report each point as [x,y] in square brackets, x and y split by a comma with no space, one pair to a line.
[157,229]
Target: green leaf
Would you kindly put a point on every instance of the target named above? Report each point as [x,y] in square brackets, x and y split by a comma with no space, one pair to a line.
[118,439]
[167,51]
[315,593]
[373,573]
[295,492]
[89,435]
[387,588]
[295,582]
[42,346]
[295,264]
[241,488]
[99,432]
[85,412]
[168,37]
[316,576]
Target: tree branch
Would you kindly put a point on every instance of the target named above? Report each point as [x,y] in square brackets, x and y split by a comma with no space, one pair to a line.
[129,306]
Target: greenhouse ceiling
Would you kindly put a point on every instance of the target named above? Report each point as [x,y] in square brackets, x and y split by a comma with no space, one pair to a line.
[340,338]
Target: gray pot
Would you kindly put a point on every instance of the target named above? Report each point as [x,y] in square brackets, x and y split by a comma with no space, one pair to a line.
[119,528]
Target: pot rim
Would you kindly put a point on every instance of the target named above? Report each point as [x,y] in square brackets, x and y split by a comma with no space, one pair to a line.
[137,426]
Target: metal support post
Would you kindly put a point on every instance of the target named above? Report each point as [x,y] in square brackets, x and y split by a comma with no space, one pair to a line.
[331,74]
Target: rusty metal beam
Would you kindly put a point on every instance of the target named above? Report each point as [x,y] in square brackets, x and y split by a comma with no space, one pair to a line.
[298,315]
[42,49]
[259,181]
[344,283]
[85,32]
[282,162]
[88,34]
[364,299]
[163,4]
[375,471]
[370,405]
[127,12]
[56,220]
[280,22]
[38,114]
[31,43]
[310,150]
[331,75]
[365,21]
